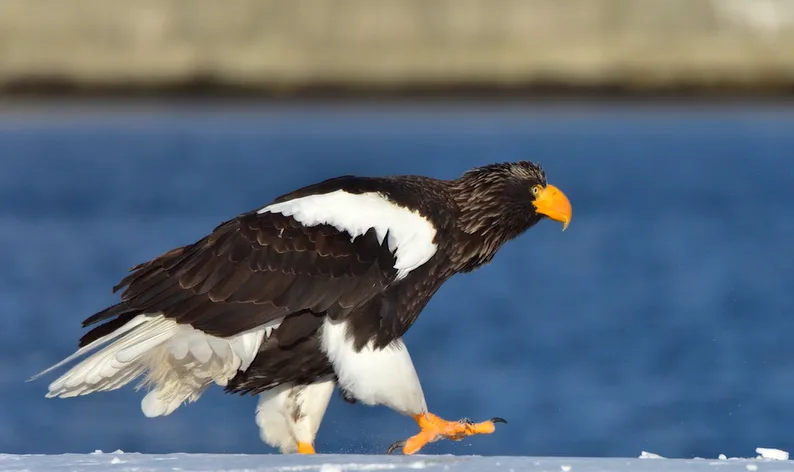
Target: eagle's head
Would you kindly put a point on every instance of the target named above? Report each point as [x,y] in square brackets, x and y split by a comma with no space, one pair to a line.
[497,202]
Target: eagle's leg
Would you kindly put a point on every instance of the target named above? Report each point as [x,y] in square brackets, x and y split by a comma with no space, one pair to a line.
[434,428]
[386,376]
[290,415]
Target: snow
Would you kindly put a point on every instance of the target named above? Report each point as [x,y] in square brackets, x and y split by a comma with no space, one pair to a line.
[775,454]
[768,460]
[650,455]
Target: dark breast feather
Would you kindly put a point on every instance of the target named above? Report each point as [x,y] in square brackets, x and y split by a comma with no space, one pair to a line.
[253,270]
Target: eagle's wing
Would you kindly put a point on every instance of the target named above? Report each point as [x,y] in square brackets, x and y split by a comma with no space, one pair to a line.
[254,270]
[320,254]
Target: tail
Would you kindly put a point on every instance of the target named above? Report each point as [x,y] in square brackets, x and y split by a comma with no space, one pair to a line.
[177,362]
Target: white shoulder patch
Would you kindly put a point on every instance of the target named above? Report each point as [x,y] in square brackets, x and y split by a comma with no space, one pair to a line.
[410,234]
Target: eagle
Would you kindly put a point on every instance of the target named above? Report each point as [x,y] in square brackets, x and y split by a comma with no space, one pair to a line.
[314,290]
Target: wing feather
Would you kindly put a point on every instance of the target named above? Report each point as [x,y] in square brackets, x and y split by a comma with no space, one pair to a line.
[231,284]
[255,269]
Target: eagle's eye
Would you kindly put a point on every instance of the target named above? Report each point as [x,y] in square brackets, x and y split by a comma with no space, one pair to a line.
[536,190]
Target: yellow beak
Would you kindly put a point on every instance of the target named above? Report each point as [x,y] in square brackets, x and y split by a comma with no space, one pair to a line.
[553,203]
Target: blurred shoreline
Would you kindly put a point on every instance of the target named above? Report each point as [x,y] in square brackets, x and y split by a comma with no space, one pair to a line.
[70,107]
[397,49]
[210,91]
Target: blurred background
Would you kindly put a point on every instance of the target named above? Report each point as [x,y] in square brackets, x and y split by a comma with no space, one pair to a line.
[660,321]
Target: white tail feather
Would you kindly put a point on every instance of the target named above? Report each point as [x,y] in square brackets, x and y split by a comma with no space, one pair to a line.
[104,364]
[93,345]
[178,362]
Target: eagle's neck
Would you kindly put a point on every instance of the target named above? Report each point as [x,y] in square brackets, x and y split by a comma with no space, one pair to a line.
[487,218]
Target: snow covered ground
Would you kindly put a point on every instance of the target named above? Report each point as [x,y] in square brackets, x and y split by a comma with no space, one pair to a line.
[768,460]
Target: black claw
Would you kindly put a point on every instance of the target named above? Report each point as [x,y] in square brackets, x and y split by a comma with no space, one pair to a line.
[395,446]
[348,397]
[496,419]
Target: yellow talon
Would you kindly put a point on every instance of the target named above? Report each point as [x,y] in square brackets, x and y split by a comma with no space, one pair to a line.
[434,428]
[305,448]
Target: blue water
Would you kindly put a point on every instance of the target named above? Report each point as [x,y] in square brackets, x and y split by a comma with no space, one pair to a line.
[661,320]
